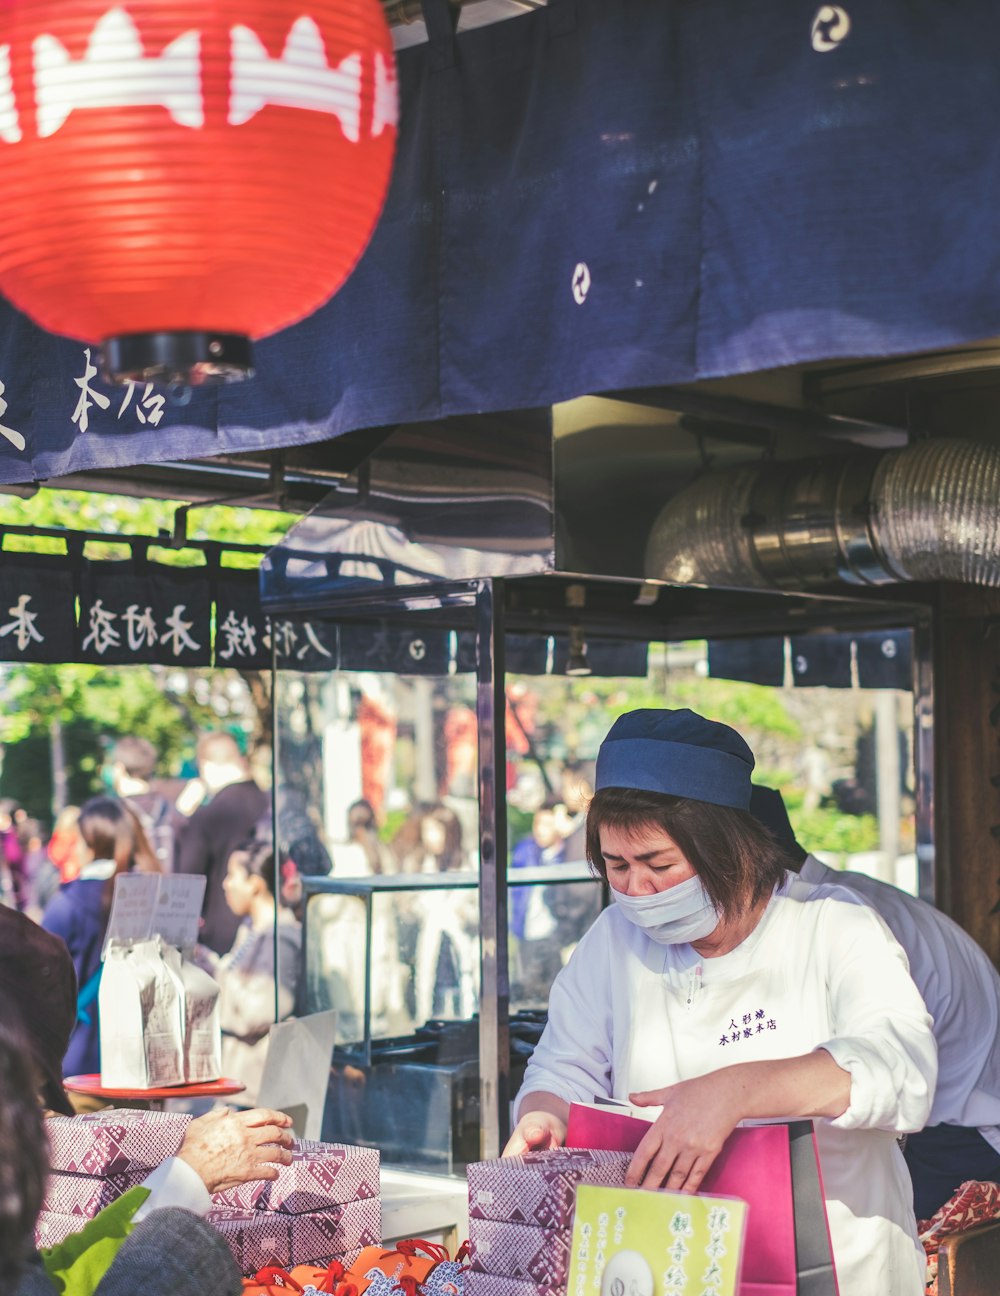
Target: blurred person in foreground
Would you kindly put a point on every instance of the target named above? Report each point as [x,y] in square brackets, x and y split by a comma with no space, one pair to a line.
[247,973]
[116,1253]
[111,842]
[218,828]
[961,989]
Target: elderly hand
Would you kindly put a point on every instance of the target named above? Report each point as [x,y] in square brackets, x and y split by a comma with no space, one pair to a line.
[536,1131]
[697,1118]
[228,1147]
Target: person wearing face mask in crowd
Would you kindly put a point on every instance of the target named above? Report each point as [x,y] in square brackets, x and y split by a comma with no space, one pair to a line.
[218,828]
[711,993]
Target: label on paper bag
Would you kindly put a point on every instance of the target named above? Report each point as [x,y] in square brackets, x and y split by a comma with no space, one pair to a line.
[147,905]
[640,1243]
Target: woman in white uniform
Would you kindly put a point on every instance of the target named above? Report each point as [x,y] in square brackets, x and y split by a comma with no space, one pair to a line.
[710,991]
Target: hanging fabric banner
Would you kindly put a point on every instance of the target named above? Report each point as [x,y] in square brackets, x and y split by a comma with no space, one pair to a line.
[593,197]
[885,659]
[242,637]
[821,660]
[304,645]
[399,650]
[37,609]
[136,612]
[755,661]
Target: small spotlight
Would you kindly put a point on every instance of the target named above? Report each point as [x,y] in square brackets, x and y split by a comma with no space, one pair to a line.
[577,663]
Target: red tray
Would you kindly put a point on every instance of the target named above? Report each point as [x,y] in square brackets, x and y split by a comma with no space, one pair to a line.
[91,1085]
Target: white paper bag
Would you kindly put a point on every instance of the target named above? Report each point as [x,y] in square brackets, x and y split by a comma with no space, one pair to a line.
[141,1012]
[202,1027]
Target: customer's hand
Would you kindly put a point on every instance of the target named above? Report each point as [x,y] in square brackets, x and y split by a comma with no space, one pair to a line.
[536,1131]
[227,1148]
[697,1118]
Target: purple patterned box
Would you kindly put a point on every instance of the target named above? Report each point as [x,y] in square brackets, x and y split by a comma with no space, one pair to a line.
[321,1175]
[525,1251]
[114,1141]
[51,1228]
[256,1239]
[482,1284]
[77,1194]
[540,1187]
[318,1235]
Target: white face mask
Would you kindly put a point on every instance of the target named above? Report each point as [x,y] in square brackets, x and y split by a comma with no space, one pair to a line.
[677,916]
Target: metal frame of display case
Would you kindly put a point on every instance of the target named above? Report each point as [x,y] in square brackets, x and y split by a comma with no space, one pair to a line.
[457,524]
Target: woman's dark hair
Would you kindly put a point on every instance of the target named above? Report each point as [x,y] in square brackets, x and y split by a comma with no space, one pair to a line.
[362,827]
[737,859]
[451,856]
[24,1150]
[112,832]
[258,860]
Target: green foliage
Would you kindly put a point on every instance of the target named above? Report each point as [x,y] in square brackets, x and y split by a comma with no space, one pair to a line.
[120,514]
[26,774]
[825,828]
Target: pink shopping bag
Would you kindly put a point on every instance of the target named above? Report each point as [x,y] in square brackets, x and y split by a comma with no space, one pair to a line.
[775,1170]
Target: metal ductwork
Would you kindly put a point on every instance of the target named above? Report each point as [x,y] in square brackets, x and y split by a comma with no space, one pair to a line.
[930,512]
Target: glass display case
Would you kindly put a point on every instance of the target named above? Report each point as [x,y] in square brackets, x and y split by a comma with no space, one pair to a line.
[397,958]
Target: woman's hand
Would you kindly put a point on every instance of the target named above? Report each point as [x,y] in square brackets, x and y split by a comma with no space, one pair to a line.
[697,1118]
[536,1131]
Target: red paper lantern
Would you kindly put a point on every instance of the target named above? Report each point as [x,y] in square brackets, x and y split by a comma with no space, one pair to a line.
[181,176]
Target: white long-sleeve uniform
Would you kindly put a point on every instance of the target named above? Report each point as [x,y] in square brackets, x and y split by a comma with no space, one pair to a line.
[961,989]
[627,1014]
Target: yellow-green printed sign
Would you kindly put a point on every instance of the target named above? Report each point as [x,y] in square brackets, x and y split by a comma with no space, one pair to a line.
[632,1242]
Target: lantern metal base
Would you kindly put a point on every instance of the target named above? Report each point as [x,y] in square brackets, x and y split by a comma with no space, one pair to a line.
[192,358]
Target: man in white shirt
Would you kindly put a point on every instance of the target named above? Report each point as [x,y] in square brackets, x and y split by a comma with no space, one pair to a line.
[961,989]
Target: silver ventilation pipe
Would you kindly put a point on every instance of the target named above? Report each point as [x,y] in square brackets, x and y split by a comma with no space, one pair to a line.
[930,512]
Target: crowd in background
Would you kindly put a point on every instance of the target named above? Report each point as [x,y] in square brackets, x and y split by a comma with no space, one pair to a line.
[219,826]
[425,940]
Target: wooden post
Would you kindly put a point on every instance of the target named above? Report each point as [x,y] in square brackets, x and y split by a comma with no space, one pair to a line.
[967,760]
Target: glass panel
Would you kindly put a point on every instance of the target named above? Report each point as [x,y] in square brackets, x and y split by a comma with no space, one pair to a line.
[377,814]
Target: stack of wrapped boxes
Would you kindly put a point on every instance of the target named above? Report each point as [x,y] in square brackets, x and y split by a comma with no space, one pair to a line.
[96,1158]
[324,1206]
[521,1218]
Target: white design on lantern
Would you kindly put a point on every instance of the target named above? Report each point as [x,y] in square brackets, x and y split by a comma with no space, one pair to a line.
[88,395]
[13,436]
[114,73]
[300,78]
[10,126]
[23,625]
[176,633]
[386,110]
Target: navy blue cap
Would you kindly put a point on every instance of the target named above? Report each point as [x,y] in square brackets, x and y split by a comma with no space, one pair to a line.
[679,753]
